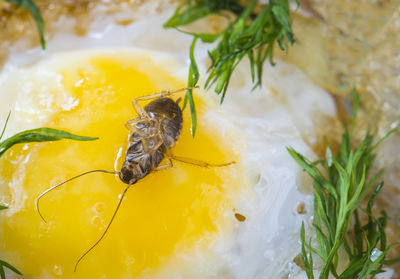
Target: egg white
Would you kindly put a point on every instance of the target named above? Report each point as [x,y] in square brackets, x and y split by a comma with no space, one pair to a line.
[259,124]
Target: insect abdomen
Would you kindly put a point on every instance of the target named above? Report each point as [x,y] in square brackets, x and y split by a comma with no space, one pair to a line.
[169,114]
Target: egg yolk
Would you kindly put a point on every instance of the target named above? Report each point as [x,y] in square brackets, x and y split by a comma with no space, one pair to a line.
[166,213]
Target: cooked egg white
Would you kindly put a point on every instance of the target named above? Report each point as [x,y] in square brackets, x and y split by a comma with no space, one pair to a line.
[176,223]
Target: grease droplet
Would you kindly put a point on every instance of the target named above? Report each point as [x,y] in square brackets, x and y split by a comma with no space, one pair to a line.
[57,270]
[301,208]
[240,217]
[98,207]
[97,221]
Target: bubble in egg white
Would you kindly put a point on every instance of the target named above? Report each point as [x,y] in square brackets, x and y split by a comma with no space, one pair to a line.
[294,270]
[269,254]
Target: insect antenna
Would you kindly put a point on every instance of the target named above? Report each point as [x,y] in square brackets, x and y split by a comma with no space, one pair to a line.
[105,231]
[62,183]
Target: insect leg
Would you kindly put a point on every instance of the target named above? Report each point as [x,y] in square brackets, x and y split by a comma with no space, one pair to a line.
[130,124]
[105,231]
[198,162]
[141,112]
[165,166]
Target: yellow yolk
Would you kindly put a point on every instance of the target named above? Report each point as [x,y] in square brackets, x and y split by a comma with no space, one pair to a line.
[166,213]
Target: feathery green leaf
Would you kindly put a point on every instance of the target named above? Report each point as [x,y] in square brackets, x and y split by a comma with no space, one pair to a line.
[250,34]
[338,196]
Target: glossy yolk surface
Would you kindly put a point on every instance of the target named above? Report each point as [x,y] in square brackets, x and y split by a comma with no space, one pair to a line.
[168,212]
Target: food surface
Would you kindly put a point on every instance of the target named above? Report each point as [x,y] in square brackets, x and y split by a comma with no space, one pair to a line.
[240,221]
[165,211]
[177,222]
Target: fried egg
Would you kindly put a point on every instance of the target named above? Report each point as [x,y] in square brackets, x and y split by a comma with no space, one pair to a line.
[240,221]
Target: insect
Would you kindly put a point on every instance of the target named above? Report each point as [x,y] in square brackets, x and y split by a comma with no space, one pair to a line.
[152,135]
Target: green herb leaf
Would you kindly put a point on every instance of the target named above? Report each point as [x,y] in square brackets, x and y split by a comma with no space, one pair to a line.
[2,271]
[193,78]
[39,135]
[337,197]
[194,10]
[5,125]
[250,34]
[34,11]
[204,37]
[2,207]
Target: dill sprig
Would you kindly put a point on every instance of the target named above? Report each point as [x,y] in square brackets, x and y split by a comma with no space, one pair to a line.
[341,184]
[34,11]
[250,34]
[34,135]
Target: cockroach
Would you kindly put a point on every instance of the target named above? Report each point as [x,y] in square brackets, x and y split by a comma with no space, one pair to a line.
[152,135]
